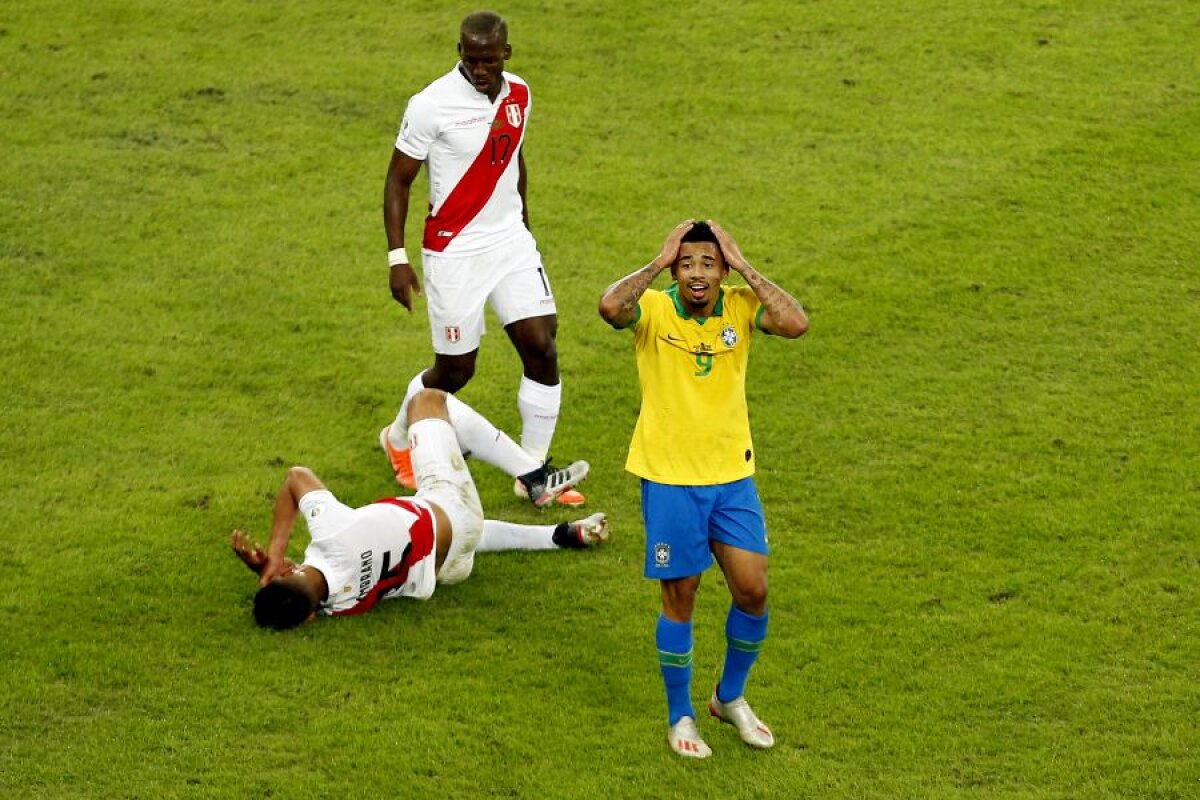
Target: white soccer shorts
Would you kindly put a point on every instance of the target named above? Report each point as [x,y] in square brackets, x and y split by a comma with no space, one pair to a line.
[509,277]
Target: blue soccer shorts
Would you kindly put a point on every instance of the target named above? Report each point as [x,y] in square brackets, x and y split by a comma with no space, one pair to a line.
[681,521]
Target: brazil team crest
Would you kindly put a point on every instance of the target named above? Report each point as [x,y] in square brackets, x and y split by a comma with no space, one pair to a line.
[729,336]
[662,554]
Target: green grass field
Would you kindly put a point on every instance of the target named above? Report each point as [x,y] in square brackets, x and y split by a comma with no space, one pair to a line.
[981,468]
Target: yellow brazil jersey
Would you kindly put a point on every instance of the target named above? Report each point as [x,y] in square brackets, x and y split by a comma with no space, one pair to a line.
[693,429]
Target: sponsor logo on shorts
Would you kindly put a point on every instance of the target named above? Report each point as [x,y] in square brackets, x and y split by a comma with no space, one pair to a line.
[453,333]
[662,554]
[316,511]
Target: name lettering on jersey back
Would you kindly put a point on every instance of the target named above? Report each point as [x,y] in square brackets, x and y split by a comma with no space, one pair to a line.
[365,573]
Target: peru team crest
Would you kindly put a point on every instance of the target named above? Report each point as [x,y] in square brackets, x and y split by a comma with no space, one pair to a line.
[453,333]
[729,336]
[513,112]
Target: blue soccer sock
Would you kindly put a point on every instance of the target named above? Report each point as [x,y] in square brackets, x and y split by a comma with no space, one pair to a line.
[674,641]
[744,637]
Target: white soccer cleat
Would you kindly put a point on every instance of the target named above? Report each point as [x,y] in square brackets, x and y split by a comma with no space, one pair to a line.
[684,738]
[546,483]
[592,530]
[737,712]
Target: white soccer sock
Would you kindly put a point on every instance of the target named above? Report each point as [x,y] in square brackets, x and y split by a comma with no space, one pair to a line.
[485,441]
[398,434]
[539,405]
[499,535]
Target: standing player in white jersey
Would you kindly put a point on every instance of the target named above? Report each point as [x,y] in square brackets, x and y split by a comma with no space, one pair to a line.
[468,127]
[395,547]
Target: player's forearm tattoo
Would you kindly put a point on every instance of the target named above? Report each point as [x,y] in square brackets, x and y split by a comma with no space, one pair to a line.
[630,289]
[778,303]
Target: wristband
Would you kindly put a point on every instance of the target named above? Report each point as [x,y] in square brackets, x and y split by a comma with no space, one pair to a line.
[397,256]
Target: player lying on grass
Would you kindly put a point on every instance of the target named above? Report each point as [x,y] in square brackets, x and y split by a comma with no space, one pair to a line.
[395,547]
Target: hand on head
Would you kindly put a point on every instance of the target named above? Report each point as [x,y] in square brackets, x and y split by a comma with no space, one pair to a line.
[729,248]
[670,249]
[257,560]
[248,551]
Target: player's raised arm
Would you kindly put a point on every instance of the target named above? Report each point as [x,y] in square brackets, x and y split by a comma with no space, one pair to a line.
[618,304]
[782,314]
[402,171]
[299,482]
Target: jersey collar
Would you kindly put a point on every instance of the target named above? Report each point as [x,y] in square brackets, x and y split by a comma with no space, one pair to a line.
[505,86]
[672,291]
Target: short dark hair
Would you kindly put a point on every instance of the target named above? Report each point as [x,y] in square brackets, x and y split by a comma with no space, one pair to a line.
[700,232]
[486,24]
[281,606]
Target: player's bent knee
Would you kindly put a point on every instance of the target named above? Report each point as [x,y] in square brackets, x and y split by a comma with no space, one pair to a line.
[751,599]
[451,373]
[427,404]
[541,346]
[453,380]
[535,338]
[540,364]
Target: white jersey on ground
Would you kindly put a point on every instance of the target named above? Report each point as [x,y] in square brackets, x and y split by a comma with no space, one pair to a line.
[382,550]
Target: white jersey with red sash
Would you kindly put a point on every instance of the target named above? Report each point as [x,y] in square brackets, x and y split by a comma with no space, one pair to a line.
[470,147]
[382,550]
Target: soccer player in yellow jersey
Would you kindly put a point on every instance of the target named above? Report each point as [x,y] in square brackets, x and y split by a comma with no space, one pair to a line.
[691,447]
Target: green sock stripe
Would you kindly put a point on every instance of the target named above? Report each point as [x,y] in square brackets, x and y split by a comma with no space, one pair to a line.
[675,659]
[745,646]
